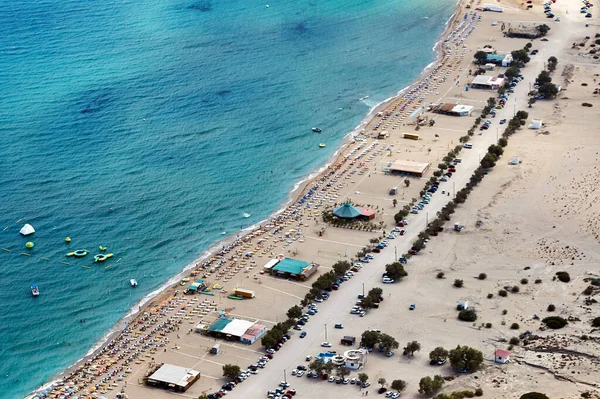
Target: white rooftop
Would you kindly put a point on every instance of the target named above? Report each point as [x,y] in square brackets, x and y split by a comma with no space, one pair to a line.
[176,375]
[237,327]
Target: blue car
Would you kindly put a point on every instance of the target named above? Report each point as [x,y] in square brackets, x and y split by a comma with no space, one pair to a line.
[303,334]
[412,306]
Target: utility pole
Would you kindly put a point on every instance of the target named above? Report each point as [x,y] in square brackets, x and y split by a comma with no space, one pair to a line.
[284,377]
[396,253]
[497,133]
[363,289]
[325,332]
[426,223]
[454,189]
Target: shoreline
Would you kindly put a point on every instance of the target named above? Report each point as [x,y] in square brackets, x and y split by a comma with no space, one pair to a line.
[298,189]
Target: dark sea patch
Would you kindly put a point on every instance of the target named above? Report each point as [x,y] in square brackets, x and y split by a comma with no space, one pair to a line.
[201,5]
[96,101]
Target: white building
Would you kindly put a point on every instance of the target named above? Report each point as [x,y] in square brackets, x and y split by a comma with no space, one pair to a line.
[501,356]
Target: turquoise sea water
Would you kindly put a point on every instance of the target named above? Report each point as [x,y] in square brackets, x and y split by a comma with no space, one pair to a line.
[151,127]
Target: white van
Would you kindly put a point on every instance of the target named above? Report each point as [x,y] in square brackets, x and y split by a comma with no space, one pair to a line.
[468,145]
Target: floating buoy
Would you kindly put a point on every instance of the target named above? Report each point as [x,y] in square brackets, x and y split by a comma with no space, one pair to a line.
[267,6]
[322,145]
[65,263]
[102,248]
[6,249]
[24,254]
[44,259]
[29,244]
[68,239]
[86,267]
[118,260]
[5,228]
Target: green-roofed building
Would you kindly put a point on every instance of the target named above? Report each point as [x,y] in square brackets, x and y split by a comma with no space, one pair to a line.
[347,211]
[298,269]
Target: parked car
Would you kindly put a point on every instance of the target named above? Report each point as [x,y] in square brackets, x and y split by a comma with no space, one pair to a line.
[303,334]
[338,326]
[325,344]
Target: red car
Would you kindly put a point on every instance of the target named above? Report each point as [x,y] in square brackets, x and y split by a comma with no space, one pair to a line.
[451,169]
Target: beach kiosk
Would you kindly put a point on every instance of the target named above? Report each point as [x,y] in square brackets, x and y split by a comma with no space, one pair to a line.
[172,377]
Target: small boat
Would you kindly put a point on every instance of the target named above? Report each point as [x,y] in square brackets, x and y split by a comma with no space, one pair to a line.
[102,257]
[246,215]
[79,253]
[322,145]
[35,291]
[133,282]
[316,130]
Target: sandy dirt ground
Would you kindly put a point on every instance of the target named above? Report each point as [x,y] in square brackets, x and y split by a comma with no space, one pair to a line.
[525,221]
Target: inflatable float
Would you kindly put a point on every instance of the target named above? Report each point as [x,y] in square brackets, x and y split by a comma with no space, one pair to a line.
[79,253]
[102,257]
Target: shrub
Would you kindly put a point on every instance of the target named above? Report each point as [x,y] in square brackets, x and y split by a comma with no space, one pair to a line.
[488,325]
[534,395]
[524,281]
[555,322]
[467,315]
[587,105]
[514,326]
[538,281]
[440,275]
[490,295]
[563,276]
[515,289]
[479,392]
[482,276]
[504,312]
[514,341]
[502,293]
[458,283]
[589,290]
[596,322]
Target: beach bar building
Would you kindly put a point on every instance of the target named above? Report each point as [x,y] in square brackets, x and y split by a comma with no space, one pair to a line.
[454,109]
[173,377]
[350,212]
[487,82]
[412,168]
[294,268]
[233,329]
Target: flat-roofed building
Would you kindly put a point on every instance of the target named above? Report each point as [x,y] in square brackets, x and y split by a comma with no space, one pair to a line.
[173,377]
[410,167]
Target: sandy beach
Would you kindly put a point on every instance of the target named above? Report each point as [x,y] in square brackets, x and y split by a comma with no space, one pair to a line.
[522,225]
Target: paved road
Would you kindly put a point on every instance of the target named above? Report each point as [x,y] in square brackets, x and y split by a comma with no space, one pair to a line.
[336,309]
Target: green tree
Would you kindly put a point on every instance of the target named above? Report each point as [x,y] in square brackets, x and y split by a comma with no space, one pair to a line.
[429,386]
[387,342]
[381,381]
[395,270]
[375,293]
[231,371]
[548,90]
[480,57]
[543,78]
[512,72]
[398,385]
[522,115]
[317,365]
[340,268]
[362,377]
[496,150]
[407,182]
[488,161]
[203,396]
[464,358]
[552,62]
[412,347]
[438,354]
[458,283]
[369,339]
[520,57]
[268,340]
[343,371]
[328,367]
[542,29]
[295,312]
